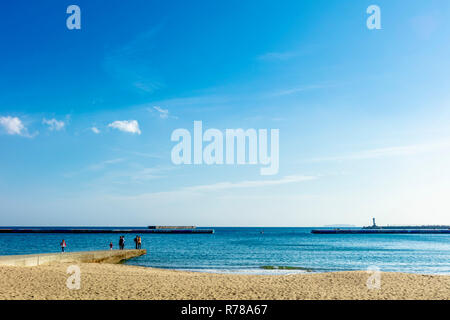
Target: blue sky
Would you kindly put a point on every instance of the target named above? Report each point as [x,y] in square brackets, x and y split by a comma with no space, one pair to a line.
[363,114]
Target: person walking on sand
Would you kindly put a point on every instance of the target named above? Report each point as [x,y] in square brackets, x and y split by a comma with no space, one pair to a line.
[139,242]
[63,245]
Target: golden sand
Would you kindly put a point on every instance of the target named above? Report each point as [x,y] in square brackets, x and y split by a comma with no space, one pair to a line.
[109,281]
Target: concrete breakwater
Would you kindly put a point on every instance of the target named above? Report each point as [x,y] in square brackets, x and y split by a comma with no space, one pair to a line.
[381,231]
[104,256]
[99,230]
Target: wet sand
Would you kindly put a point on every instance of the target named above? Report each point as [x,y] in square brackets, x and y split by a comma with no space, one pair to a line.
[115,281]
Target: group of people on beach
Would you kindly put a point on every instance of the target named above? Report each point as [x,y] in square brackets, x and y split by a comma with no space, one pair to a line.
[137,242]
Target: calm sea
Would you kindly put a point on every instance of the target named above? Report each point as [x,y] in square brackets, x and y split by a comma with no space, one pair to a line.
[247,250]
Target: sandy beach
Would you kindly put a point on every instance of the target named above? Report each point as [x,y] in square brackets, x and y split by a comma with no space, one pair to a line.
[116,281]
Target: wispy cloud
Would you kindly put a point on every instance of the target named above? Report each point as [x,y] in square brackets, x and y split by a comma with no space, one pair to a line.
[163,113]
[95,130]
[145,174]
[53,124]
[250,183]
[388,152]
[299,89]
[131,126]
[94,167]
[15,126]
[189,192]
[203,101]
[104,164]
[132,175]
[271,56]
[131,62]
[146,85]
[139,153]
[287,55]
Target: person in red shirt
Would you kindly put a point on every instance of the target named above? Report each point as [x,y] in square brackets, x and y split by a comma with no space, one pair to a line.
[63,245]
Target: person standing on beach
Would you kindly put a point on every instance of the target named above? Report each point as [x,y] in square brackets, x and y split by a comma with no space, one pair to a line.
[63,245]
[136,242]
[139,242]
[121,243]
[110,245]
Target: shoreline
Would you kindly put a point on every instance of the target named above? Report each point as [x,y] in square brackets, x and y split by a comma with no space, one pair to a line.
[293,272]
[122,256]
[283,272]
[273,272]
[131,282]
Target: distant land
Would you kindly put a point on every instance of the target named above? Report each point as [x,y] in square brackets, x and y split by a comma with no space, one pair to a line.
[339,226]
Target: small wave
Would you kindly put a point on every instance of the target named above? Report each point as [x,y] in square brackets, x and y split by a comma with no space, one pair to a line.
[285,268]
[259,271]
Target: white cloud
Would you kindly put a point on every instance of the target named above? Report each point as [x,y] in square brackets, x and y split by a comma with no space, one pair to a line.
[95,130]
[163,113]
[54,124]
[14,126]
[131,126]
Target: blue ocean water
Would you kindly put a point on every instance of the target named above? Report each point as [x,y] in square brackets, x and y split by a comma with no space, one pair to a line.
[247,250]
